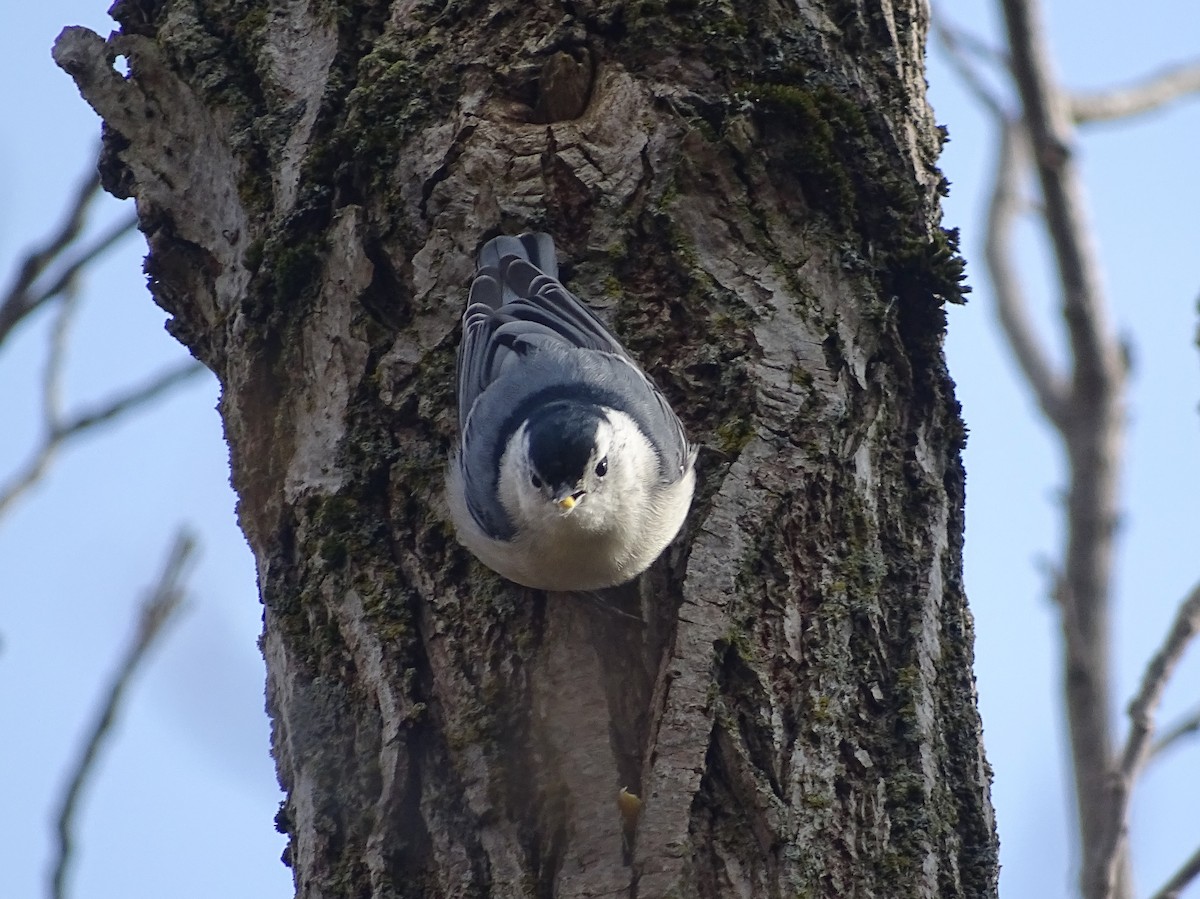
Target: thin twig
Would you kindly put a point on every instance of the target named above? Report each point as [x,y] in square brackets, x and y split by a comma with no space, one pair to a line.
[133,398]
[51,405]
[1141,730]
[1145,96]
[962,49]
[971,43]
[1188,872]
[1189,725]
[37,261]
[1011,307]
[63,278]
[56,362]
[156,611]
[24,296]
[58,434]
[1158,671]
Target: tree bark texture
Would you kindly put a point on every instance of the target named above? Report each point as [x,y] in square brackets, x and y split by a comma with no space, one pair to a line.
[748,192]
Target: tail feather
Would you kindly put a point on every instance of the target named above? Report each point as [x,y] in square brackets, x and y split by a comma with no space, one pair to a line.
[535,248]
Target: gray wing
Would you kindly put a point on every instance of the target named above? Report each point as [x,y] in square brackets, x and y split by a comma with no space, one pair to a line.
[527,340]
[515,301]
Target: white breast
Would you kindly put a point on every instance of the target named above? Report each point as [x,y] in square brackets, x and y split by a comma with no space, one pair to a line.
[608,539]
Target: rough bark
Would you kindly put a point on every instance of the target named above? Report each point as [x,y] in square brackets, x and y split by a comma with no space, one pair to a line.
[749,193]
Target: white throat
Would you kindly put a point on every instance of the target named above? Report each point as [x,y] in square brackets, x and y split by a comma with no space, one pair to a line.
[622,523]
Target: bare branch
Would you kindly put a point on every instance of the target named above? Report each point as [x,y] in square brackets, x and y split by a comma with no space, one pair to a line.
[1141,716]
[963,48]
[156,611]
[1145,96]
[1154,680]
[55,363]
[1174,887]
[967,42]
[70,270]
[1096,354]
[24,295]
[1011,307]
[59,433]
[33,471]
[51,408]
[138,396]
[1176,732]
[37,261]
[1092,432]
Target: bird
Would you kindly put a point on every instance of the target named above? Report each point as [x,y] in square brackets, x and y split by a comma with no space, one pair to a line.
[571,472]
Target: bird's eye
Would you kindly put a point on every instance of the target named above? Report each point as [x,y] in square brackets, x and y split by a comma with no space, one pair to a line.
[536,481]
[602,467]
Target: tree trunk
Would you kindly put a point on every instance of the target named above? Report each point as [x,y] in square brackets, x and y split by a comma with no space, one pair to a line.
[749,193]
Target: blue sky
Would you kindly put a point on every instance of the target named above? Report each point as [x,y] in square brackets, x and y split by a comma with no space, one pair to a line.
[187,775]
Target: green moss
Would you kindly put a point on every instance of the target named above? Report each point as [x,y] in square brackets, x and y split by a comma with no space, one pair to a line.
[866,567]
[612,286]
[254,255]
[738,639]
[932,267]
[250,24]
[801,377]
[333,513]
[333,552]
[256,192]
[295,268]
[714,31]
[913,817]
[840,153]
[734,434]
[472,724]
[908,682]
[812,147]
[387,606]
[819,710]
[396,90]
[817,801]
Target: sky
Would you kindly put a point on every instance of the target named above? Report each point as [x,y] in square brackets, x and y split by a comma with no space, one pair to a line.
[187,776]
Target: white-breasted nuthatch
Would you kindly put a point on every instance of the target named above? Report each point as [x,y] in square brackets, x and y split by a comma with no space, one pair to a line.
[572,471]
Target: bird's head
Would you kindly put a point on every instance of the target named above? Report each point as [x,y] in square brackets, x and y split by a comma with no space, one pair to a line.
[566,457]
[579,468]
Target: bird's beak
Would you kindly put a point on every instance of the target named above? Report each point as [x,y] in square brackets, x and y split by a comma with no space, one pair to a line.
[569,502]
